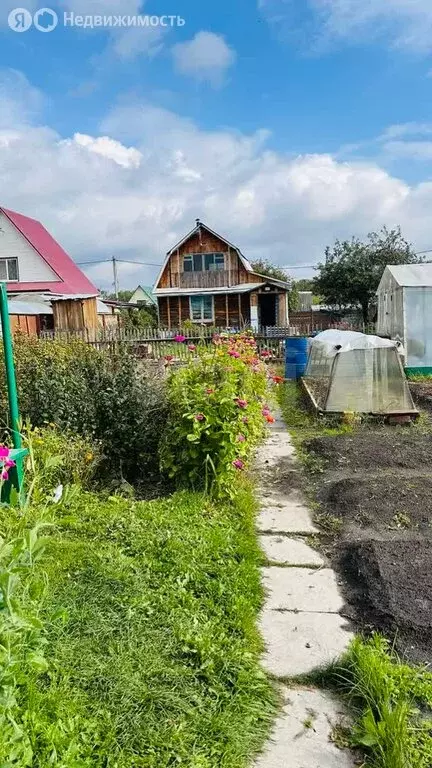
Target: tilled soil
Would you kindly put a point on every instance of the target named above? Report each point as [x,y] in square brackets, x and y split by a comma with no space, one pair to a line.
[374,449]
[390,582]
[378,482]
[422,393]
[384,503]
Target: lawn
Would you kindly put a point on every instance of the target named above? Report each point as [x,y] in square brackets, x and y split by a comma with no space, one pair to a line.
[151,635]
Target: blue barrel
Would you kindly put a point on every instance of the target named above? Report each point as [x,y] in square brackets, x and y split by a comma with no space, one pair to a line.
[296,356]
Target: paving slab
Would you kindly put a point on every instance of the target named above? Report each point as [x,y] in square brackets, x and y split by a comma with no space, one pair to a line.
[285,514]
[273,450]
[294,745]
[298,643]
[301,589]
[289,551]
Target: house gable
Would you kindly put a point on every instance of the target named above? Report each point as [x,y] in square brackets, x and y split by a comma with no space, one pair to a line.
[31,265]
[180,272]
[43,264]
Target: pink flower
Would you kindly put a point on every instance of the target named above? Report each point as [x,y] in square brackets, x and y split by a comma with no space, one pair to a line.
[169,358]
[265,411]
[265,353]
[4,452]
[241,403]
[8,464]
[209,391]
[5,475]
[245,420]
[199,417]
[179,338]
[241,438]
[191,347]
[238,464]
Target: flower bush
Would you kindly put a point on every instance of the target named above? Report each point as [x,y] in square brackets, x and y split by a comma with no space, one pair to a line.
[217,414]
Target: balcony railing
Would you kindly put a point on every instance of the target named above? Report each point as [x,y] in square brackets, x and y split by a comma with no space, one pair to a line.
[216,279]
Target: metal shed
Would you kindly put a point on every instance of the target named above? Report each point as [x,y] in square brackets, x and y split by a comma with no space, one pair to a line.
[405,312]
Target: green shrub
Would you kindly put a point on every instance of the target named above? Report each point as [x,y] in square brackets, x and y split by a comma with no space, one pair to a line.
[216,415]
[100,395]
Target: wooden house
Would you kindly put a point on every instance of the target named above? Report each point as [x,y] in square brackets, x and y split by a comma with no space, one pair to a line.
[207,280]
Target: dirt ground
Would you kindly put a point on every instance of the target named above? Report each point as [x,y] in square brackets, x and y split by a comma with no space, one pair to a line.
[422,393]
[376,484]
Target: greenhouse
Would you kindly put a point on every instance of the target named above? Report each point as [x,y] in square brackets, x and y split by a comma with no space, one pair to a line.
[354,372]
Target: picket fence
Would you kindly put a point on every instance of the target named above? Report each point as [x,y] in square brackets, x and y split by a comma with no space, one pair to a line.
[157,343]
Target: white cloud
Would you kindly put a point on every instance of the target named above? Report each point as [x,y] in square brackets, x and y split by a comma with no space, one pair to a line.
[127,157]
[404,23]
[207,58]
[137,185]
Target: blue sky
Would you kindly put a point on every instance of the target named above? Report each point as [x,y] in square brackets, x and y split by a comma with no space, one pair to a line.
[282,123]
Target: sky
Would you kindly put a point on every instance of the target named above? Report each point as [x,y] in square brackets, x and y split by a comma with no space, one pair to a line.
[282,124]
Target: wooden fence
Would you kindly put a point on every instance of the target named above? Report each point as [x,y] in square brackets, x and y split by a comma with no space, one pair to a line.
[157,343]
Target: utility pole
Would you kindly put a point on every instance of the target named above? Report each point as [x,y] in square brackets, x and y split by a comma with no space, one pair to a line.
[115,273]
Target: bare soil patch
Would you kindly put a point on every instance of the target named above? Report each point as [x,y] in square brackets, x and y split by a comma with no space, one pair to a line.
[384,503]
[374,449]
[390,583]
[422,393]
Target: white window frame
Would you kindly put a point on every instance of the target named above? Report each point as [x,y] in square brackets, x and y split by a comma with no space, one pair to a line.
[8,279]
[202,319]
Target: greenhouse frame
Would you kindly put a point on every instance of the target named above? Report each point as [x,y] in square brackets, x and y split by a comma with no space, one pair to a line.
[350,372]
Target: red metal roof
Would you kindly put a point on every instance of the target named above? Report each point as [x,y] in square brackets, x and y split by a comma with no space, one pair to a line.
[70,277]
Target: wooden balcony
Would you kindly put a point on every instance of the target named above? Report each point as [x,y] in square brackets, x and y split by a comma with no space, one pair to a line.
[217,279]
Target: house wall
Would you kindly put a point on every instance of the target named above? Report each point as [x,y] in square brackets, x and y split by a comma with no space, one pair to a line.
[31,266]
[231,310]
[206,243]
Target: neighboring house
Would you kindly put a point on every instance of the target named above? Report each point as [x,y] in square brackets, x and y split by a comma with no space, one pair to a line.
[207,280]
[32,261]
[405,314]
[143,295]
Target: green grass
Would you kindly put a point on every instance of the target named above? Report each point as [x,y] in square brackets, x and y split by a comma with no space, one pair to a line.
[392,703]
[152,642]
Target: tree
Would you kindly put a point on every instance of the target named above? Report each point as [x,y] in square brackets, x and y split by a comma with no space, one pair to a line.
[266,268]
[351,273]
[122,295]
[305,284]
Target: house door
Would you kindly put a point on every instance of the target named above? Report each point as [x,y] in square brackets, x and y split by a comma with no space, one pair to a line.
[267,309]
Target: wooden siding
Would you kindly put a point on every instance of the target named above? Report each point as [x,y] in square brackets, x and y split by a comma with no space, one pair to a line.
[234,273]
[75,314]
[230,310]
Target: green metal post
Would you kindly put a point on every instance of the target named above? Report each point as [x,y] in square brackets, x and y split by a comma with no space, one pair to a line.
[10,378]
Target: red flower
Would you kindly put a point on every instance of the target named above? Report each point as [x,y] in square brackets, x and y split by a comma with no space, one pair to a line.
[270,419]
[209,391]
[191,347]
[265,353]
[241,403]
[199,417]
[238,464]
[278,379]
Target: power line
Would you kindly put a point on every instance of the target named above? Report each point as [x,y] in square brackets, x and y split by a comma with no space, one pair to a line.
[121,261]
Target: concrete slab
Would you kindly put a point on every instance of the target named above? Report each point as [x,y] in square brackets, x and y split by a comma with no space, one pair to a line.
[285,514]
[285,550]
[301,589]
[273,450]
[298,643]
[302,737]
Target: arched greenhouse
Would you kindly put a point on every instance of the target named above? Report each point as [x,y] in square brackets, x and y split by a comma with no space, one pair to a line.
[355,372]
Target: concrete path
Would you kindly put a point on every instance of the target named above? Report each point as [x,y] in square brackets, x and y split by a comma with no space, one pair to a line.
[301,624]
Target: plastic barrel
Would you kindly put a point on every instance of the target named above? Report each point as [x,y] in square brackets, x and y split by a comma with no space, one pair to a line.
[296,356]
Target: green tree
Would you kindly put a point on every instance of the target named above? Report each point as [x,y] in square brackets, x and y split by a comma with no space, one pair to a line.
[305,284]
[351,273]
[122,295]
[265,267]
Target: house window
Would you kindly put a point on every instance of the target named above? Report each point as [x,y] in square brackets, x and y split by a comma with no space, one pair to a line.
[9,270]
[203,262]
[201,308]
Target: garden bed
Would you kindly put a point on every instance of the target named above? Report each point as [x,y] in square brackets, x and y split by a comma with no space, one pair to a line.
[385,504]
[390,583]
[367,449]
